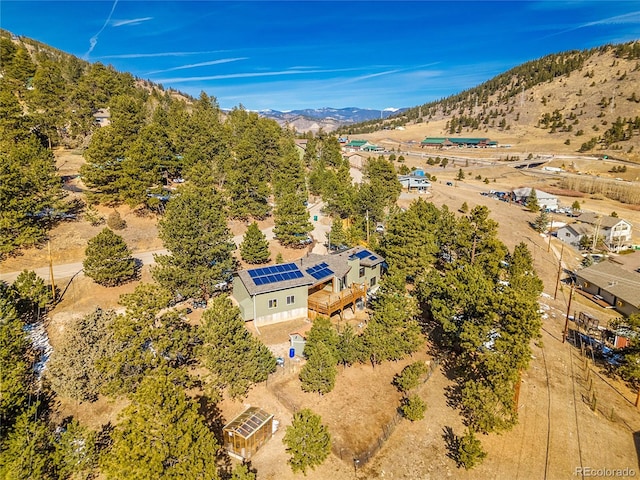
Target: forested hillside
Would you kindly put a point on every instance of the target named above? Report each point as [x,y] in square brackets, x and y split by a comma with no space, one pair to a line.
[587,98]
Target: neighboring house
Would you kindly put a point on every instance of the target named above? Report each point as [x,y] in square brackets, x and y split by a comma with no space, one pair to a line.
[372,148]
[615,231]
[357,145]
[301,146]
[102,117]
[414,182]
[448,142]
[612,284]
[572,233]
[545,200]
[313,285]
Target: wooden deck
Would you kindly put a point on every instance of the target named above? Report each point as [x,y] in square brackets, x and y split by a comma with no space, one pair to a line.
[328,303]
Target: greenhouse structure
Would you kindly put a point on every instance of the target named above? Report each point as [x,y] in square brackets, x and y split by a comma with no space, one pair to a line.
[246,433]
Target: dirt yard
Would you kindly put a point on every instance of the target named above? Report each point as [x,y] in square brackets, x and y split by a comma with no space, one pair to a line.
[557,431]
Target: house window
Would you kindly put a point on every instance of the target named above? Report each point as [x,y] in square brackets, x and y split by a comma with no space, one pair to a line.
[372,282]
[273,303]
[362,271]
[291,300]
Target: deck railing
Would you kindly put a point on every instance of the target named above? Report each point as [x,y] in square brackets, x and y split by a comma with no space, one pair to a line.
[337,301]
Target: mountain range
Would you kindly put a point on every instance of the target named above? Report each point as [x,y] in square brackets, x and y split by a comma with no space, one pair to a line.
[327,119]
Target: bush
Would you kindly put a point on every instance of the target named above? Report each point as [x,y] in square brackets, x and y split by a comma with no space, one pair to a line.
[469,451]
[413,408]
[409,378]
[115,221]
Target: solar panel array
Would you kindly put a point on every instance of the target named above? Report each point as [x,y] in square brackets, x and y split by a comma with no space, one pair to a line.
[275,273]
[362,254]
[320,271]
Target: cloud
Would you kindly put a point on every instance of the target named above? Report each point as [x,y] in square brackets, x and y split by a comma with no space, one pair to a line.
[627,18]
[250,75]
[162,54]
[201,64]
[134,21]
[93,41]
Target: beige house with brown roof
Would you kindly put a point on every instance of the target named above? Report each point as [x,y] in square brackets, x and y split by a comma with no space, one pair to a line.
[612,283]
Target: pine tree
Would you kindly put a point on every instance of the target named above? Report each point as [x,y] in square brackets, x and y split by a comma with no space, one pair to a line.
[469,451]
[161,435]
[413,408]
[292,225]
[194,229]
[14,363]
[234,357]
[319,373]
[74,367]
[532,201]
[337,237]
[108,260]
[307,441]
[27,449]
[29,189]
[541,222]
[255,246]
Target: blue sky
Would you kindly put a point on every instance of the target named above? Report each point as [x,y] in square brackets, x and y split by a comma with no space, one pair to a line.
[312,54]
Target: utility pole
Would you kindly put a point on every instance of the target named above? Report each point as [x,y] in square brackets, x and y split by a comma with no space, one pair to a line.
[367,227]
[53,284]
[566,322]
[555,294]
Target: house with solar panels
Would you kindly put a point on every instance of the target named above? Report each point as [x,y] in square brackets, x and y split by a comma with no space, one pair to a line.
[312,285]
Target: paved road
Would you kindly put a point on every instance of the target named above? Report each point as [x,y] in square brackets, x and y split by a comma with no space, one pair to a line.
[68,270]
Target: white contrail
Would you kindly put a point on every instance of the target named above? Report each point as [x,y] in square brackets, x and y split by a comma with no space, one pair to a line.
[93,41]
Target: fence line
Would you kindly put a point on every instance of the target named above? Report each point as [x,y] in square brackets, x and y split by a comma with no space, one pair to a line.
[345,453]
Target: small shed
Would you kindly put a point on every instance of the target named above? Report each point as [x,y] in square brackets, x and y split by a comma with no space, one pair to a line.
[297,341]
[246,433]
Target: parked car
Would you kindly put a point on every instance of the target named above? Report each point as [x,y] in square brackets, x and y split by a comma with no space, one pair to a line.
[450,184]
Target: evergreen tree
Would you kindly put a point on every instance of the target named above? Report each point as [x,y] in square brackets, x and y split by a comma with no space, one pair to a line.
[292,225]
[410,376]
[323,331]
[31,294]
[194,230]
[255,246]
[234,357]
[532,201]
[337,237]
[392,331]
[349,347]
[242,471]
[413,408]
[460,175]
[149,337]
[26,451]
[161,435]
[409,242]
[469,451]
[308,441]
[75,452]
[74,367]
[108,260]
[541,222]
[29,189]
[319,373]
[15,366]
